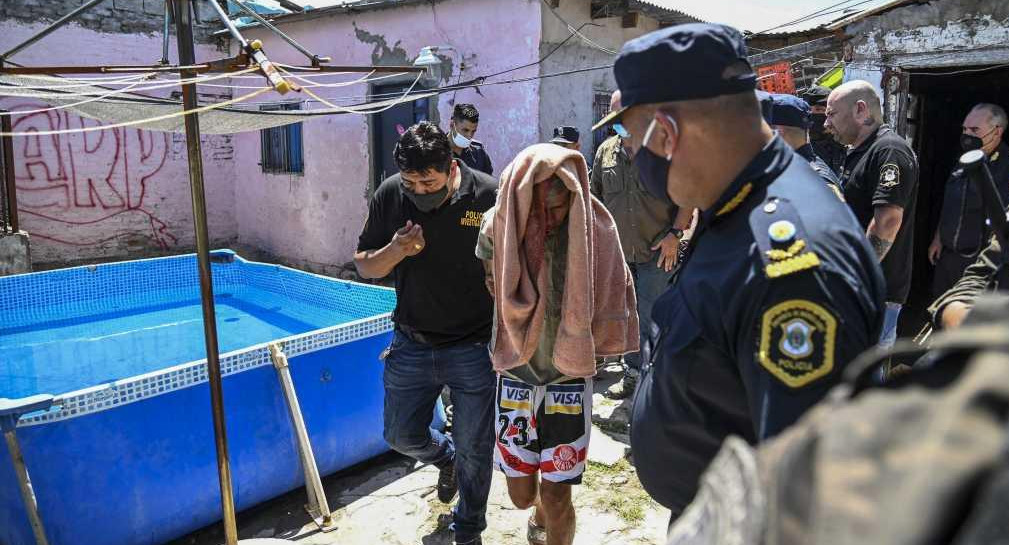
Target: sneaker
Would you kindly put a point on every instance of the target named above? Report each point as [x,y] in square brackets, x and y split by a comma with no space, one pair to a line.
[623,389]
[447,485]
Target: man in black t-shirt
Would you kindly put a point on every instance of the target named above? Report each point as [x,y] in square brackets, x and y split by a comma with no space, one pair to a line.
[422,227]
[880,181]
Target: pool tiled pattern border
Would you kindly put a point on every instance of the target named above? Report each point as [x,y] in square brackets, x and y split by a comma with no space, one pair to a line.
[79,291]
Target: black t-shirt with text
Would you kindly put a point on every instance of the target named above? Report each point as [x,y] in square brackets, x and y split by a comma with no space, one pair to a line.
[441,298]
[884,170]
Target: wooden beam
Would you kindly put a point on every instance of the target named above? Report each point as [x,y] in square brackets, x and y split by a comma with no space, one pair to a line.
[794,51]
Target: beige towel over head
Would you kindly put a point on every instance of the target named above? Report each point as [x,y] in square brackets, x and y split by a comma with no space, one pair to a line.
[599,312]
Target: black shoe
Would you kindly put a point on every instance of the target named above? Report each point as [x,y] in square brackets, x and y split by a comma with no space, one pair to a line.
[447,485]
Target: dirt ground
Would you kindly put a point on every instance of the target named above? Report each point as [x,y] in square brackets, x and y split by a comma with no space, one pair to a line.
[391,500]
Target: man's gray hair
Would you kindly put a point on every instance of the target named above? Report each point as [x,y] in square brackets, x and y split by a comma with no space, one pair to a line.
[997,113]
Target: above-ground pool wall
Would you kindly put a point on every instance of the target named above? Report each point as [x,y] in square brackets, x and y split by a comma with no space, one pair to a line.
[313,220]
[115,193]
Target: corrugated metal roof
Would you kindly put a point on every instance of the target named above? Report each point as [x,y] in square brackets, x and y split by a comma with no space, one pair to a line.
[662,14]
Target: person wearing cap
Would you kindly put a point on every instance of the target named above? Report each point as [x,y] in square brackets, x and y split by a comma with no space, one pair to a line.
[651,230]
[778,290]
[791,117]
[823,143]
[567,137]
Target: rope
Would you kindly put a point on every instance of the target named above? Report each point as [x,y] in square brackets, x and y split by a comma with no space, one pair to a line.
[362,110]
[199,110]
[164,85]
[74,104]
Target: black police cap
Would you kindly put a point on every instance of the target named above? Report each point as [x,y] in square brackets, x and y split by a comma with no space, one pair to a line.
[683,62]
[565,135]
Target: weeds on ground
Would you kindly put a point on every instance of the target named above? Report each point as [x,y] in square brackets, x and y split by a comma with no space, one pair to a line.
[621,491]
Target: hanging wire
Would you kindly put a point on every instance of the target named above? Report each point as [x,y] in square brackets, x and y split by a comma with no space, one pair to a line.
[172,115]
[166,84]
[576,31]
[72,105]
[352,110]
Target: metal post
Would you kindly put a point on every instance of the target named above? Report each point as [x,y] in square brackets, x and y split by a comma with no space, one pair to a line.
[318,506]
[164,36]
[25,484]
[7,145]
[187,57]
[51,28]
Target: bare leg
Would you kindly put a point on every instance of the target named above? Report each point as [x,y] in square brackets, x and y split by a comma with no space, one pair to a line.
[560,512]
[523,491]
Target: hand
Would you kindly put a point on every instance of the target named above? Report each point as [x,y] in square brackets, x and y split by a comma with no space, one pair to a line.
[934,251]
[669,252]
[953,315]
[409,241]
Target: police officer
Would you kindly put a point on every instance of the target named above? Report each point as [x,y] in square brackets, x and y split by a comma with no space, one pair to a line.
[779,289]
[823,143]
[462,135]
[962,231]
[791,117]
[880,181]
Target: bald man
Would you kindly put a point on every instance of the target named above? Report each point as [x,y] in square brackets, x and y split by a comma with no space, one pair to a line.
[880,180]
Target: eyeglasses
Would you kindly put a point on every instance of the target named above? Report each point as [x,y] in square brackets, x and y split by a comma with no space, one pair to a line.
[621,130]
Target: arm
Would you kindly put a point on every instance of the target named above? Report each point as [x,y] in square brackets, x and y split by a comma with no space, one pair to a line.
[596,177]
[669,246]
[795,341]
[883,228]
[949,310]
[935,248]
[378,263]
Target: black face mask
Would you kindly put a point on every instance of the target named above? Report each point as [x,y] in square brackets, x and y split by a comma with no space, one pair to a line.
[817,132]
[969,142]
[653,170]
[428,201]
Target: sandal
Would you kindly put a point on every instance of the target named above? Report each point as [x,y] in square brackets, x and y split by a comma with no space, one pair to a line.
[536,534]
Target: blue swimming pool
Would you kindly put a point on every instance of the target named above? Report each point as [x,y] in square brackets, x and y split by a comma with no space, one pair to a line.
[128,455]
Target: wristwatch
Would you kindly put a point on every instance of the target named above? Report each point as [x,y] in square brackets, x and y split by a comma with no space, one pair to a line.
[678,233]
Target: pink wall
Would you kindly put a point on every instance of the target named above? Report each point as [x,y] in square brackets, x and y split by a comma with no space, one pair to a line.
[314,220]
[114,193]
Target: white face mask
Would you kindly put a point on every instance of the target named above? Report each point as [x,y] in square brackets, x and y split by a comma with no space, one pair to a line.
[461,140]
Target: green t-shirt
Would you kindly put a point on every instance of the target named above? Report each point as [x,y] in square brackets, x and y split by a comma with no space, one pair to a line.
[540,369]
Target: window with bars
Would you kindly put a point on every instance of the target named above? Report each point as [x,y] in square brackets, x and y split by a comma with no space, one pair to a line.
[600,107]
[281,147]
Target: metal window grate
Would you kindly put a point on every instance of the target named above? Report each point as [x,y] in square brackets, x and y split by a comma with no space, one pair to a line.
[600,107]
[281,148]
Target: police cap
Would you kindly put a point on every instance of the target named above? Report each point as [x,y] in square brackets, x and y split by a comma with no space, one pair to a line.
[683,62]
[790,111]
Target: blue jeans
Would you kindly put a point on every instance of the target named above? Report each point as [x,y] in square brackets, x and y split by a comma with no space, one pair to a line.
[649,283]
[889,334]
[415,374]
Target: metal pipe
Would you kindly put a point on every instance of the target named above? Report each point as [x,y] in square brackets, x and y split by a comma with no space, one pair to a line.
[316,60]
[318,506]
[25,484]
[7,145]
[51,28]
[254,50]
[187,56]
[164,41]
[200,68]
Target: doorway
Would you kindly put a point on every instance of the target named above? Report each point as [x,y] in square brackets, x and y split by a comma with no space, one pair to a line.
[389,125]
[940,101]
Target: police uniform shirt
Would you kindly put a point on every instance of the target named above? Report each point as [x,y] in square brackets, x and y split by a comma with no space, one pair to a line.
[779,291]
[884,171]
[962,227]
[476,158]
[819,165]
[441,298]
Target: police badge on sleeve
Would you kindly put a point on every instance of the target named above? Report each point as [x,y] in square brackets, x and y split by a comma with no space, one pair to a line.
[797,342]
[889,175]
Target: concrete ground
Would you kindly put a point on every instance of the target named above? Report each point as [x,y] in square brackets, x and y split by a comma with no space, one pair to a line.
[391,500]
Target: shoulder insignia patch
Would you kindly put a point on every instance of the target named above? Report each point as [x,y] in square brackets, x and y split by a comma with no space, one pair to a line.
[797,342]
[889,175]
[781,239]
[837,191]
[994,156]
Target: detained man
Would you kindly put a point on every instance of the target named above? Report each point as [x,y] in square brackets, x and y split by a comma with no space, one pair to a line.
[563,296]
[422,226]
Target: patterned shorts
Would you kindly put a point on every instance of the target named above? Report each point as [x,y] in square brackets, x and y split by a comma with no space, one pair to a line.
[543,428]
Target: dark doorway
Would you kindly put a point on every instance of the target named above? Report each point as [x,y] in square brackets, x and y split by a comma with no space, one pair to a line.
[389,125]
[942,98]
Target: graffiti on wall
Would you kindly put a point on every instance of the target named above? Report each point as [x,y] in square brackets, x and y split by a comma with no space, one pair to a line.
[91,188]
